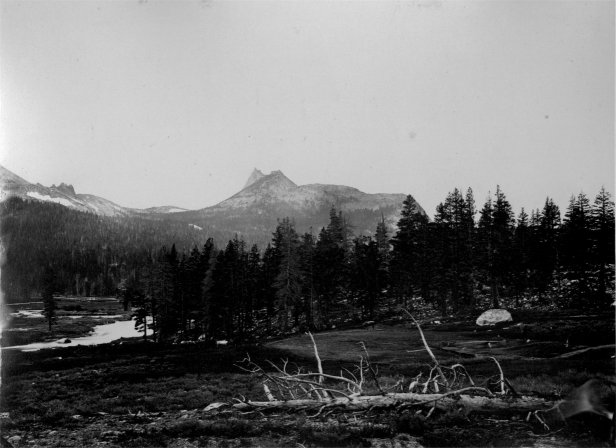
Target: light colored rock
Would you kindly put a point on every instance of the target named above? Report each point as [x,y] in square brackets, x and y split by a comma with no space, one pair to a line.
[494,316]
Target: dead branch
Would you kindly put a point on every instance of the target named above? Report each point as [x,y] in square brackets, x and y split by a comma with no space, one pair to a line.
[423,338]
[268,394]
[316,355]
[320,391]
[371,369]
[502,377]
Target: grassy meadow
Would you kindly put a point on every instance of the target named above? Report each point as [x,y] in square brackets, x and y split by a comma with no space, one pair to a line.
[132,393]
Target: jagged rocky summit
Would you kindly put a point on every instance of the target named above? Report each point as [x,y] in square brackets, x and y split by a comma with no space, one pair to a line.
[11,185]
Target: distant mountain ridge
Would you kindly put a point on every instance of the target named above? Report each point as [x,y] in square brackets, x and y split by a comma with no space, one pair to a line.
[11,185]
[275,189]
[252,212]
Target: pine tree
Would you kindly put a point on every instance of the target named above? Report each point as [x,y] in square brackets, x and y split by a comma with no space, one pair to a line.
[136,289]
[365,274]
[332,256]
[269,271]
[215,287]
[236,295]
[382,238]
[192,276]
[547,251]
[503,233]
[49,302]
[495,235]
[169,306]
[253,279]
[410,261]
[521,256]
[454,226]
[288,282]
[469,246]
[307,250]
[149,305]
[384,254]
[576,246]
[602,223]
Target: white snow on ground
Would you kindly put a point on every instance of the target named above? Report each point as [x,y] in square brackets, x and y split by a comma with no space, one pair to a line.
[196,226]
[96,316]
[175,210]
[23,303]
[28,313]
[102,334]
[44,197]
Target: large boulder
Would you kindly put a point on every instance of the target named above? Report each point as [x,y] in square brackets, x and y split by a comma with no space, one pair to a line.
[494,316]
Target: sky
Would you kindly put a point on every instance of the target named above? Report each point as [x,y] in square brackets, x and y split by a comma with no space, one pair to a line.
[151,102]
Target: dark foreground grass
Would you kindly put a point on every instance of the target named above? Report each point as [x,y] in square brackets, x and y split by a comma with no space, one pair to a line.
[138,394]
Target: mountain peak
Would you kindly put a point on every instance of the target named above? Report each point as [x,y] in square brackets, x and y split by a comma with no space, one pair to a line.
[64,188]
[8,177]
[275,178]
[254,176]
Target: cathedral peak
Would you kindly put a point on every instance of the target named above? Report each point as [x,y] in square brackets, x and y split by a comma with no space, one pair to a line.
[254,176]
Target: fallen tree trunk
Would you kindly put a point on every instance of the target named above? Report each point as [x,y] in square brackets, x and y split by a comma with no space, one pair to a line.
[471,403]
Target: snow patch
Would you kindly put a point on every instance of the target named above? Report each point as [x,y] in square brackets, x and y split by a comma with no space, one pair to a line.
[195,226]
[28,313]
[44,197]
[102,334]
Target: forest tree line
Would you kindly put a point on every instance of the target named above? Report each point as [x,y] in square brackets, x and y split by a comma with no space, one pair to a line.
[463,259]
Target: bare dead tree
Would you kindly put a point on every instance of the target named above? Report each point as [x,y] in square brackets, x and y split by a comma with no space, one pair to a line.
[445,387]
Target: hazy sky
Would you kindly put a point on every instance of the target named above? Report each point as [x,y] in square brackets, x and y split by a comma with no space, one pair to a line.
[175,102]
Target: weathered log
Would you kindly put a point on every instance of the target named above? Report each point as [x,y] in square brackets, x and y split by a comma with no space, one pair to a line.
[471,403]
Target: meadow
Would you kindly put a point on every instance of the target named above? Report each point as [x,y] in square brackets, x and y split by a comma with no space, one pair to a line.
[132,393]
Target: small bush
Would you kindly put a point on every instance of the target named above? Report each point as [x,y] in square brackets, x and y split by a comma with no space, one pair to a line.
[56,412]
[331,437]
[409,423]
[230,428]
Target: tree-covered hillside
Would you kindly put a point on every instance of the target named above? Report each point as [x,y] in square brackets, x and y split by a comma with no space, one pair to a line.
[192,281]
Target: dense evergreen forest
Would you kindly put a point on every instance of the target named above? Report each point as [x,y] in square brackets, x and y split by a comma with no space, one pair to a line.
[182,283]
[89,254]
